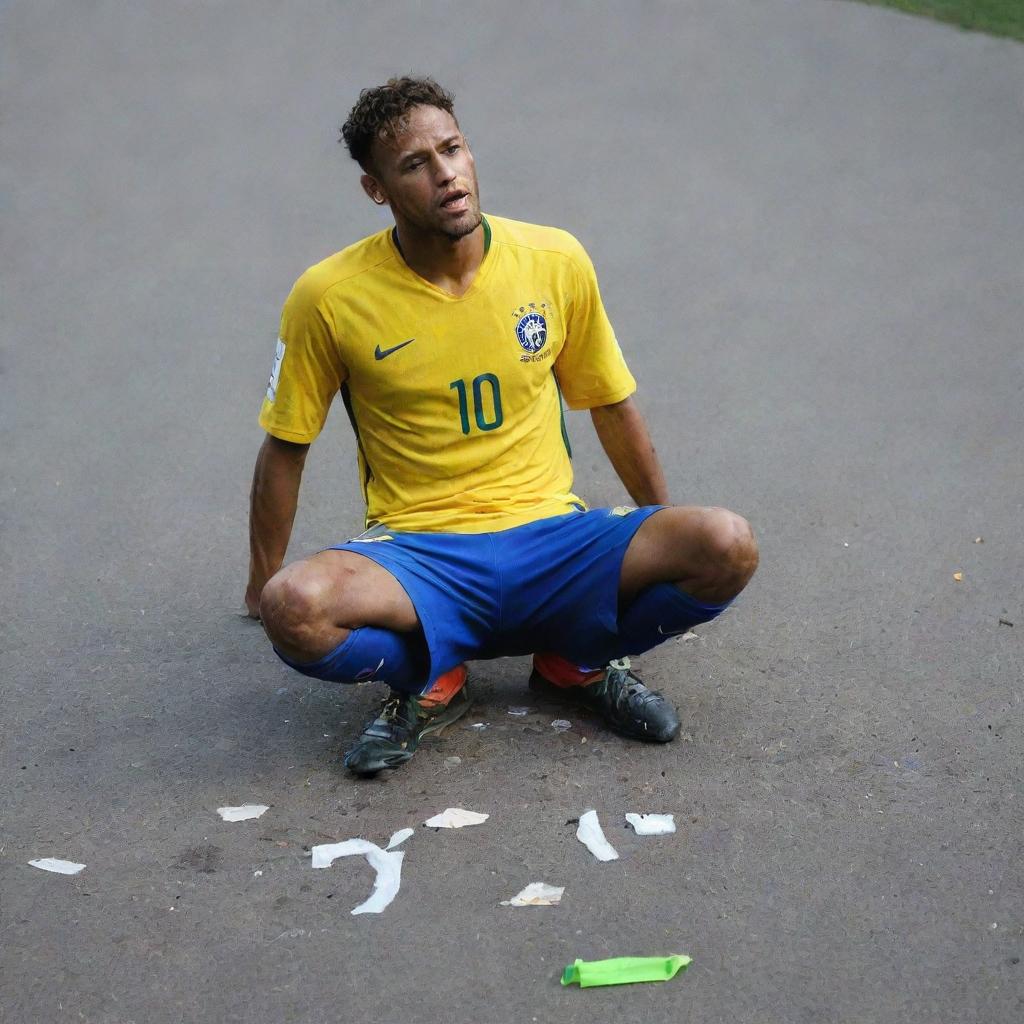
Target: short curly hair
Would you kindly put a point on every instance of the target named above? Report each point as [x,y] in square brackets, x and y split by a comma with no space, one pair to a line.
[380,111]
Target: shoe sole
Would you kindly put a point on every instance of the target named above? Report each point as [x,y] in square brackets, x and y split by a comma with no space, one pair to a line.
[450,714]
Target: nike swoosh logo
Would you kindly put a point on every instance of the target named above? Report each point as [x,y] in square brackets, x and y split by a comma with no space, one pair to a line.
[367,674]
[383,353]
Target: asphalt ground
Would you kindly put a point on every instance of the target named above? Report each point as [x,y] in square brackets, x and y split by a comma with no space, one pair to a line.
[807,219]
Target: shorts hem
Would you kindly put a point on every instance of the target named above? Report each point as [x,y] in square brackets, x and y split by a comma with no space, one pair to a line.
[426,624]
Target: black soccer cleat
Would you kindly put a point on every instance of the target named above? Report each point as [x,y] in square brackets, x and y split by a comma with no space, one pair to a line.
[622,700]
[405,718]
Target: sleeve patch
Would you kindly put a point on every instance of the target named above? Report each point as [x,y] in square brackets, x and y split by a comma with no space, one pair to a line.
[275,373]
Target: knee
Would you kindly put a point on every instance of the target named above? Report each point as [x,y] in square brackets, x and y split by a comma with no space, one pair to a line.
[731,550]
[292,606]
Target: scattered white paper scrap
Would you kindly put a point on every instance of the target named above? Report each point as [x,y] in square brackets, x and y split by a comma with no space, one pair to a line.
[589,833]
[652,824]
[399,837]
[479,726]
[58,867]
[387,865]
[455,817]
[243,813]
[536,894]
[561,725]
[519,712]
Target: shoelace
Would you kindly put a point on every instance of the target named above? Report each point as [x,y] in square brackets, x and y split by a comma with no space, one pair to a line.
[633,686]
[390,706]
[389,711]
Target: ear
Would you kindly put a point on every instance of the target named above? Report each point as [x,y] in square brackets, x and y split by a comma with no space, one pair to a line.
[373,189]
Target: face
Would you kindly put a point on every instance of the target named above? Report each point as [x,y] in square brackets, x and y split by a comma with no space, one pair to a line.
[427,176]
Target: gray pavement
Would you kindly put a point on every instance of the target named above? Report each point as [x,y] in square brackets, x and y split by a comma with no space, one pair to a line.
[807,220]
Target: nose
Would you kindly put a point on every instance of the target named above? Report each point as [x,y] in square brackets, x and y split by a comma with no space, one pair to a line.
[444,169]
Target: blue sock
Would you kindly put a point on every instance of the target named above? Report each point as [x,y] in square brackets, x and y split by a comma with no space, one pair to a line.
[398,659]
[660,612]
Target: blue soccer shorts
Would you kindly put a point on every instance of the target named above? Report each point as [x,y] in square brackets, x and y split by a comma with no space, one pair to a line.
[551,585]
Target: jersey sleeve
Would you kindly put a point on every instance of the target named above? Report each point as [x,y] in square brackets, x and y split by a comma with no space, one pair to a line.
[590,368]
[307,370]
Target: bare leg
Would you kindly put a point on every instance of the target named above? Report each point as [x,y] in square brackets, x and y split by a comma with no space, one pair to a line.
[318,611]
[311,606]
[709,553]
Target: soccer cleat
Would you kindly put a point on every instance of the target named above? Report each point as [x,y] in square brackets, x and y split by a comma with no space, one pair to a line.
[624,702]
[405,718]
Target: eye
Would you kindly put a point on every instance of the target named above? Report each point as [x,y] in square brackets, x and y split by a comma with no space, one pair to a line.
[454,148]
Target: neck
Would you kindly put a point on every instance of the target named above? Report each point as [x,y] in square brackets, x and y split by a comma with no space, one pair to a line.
[448,263]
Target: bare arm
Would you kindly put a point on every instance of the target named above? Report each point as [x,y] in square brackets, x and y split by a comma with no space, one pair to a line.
[272,503]
[623,434]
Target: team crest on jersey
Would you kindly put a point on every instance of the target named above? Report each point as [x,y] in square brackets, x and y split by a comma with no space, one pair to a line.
[532,331]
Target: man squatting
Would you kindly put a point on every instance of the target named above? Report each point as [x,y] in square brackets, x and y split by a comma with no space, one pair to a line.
[453,339]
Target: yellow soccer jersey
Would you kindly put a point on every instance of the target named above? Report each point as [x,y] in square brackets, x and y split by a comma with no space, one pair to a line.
[454,400]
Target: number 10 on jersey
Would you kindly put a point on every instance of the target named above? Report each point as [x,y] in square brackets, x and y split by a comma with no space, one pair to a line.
[487,413]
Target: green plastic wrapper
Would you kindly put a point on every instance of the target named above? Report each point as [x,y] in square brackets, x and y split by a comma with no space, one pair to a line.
[624,970]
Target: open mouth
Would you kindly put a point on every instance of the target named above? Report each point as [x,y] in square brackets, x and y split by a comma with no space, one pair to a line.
[455,200]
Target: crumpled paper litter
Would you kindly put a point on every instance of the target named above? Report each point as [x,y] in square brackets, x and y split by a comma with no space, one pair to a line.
[399,837]
[652,824]
[536,894]
[590,834]
[58,867]
[243,813]
[387,865]
[456,817]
